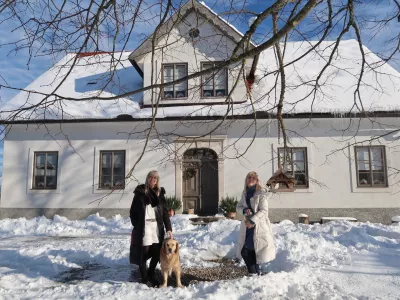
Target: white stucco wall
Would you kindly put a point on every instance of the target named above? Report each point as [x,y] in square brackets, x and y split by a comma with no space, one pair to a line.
[78,167]
[78,171]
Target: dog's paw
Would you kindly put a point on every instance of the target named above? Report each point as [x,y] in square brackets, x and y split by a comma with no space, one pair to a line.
[163,285]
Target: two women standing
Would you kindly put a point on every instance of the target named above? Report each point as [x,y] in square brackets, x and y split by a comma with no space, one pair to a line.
[256,241]
[149,217]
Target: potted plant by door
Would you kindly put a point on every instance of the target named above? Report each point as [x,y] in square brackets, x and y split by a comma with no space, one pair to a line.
[228,206]
[173,204]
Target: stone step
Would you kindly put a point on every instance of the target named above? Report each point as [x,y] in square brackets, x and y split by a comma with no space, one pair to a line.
[329,219]
[205,220]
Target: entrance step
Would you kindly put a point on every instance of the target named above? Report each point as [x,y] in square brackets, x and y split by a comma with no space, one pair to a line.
[329,219]
[205,220]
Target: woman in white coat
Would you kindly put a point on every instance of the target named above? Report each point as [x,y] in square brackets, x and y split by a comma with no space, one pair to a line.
[256,241]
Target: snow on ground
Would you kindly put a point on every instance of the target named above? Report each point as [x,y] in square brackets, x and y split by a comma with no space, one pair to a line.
[88,259]
[61,226]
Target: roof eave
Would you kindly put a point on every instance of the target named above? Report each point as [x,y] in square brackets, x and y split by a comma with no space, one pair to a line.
[258,115]
[136,66]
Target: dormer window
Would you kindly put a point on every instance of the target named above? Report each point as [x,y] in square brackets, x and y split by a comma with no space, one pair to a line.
[215,85]
[170,73]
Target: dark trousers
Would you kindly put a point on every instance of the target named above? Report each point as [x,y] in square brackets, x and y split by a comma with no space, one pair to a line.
[249,257]
[152,252]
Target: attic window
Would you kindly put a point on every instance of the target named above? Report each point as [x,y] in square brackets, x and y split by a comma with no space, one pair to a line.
[194,33]
[170,73]
[215,84]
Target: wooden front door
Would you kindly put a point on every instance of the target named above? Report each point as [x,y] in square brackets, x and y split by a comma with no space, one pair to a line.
[200,181]
[209,187]
[191,186]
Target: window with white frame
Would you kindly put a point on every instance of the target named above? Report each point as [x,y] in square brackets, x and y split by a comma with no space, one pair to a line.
[112,170]
[172,72]
[214,84]
[45,169]
[371,166]
[294,160]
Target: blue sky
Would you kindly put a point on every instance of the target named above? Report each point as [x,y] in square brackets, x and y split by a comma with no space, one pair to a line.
[16,72]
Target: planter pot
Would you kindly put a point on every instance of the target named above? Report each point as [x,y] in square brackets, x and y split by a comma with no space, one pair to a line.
[191,211]
[304,219]
[232,215]
[396,219]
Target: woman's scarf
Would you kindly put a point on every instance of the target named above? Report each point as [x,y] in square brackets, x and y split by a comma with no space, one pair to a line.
[250,193]
[152,197]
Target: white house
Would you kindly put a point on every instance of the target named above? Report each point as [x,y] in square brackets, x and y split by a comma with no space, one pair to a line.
[63,156]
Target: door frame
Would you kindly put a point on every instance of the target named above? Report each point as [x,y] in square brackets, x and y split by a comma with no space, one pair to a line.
[216,143]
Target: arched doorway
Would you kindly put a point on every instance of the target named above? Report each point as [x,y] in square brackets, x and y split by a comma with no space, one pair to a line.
[200,181]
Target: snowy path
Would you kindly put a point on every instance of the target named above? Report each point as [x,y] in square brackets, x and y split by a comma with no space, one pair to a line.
[374,276]
[62,259]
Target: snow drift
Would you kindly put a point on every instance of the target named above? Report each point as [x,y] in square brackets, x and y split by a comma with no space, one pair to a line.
[311,260]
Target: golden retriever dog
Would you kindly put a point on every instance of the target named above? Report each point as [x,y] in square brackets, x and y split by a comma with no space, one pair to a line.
[170,262]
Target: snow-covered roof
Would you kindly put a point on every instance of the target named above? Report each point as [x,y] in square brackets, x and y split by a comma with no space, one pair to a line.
[379,88]
[223,20]
[91,76]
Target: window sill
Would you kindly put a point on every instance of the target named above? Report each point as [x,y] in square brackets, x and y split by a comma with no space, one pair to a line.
[44,191]
[303,190]
[372,186]
[109,191]
[225,100]
[177,99]
[384,189]
[190,102]
[297,190]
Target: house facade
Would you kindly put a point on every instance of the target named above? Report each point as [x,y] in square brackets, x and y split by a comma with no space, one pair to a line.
[76,158]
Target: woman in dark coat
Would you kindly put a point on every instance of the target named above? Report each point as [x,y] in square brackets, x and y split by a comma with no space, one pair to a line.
[149,217]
